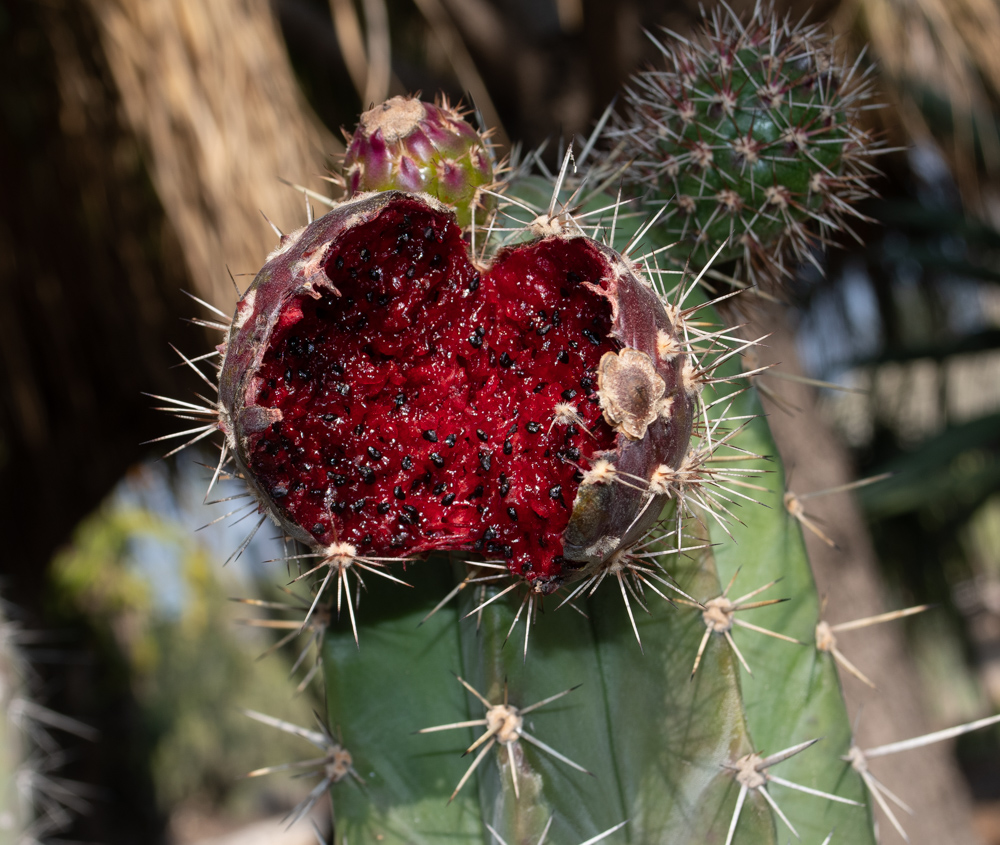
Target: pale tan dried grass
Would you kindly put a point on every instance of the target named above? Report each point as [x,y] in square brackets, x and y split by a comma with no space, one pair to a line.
[951,49]
[209,90]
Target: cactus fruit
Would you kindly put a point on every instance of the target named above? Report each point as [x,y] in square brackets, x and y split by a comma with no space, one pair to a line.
[750,137]
[388,397]
[419,147]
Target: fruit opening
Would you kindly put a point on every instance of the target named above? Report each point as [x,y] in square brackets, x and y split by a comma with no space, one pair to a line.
[434,406]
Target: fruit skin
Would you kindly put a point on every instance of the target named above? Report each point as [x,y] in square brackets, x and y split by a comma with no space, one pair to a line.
[606,516]
[409,145]
[749,134]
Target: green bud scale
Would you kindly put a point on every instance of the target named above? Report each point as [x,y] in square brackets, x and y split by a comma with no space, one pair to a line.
[750,135]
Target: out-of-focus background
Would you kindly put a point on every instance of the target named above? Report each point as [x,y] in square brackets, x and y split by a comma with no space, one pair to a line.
[139,142]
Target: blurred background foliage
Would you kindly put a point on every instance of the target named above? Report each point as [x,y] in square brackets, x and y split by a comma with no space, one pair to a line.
[139,139]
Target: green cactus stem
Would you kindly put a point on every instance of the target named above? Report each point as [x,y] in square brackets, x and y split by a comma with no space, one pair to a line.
[748,137]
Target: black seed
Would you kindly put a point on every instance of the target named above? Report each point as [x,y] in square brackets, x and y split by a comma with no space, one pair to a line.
[339,262]
[410,515]
[366,540]
[573,453]
[474,284]
[481,509]
[337,367]
[365,254]
[508,552]
[288,374]
[568,394]
[513,428]
[410,272]
[492,547]
[478,546]
[338,507]
[489,534]
[436,260]
[475,494]
[430,435]
[440,488]
[504,485]
[555,492]
[572,344]
[352,272]
[572,430]
[383,507]
[587,383]
[506,361]
[315,492]
[362,323]
[317,528]
[367,474]
[447,500]
[572,278]
[578,476]
[343,388]
[485,461]
[272,383]
[555,318]
[480,331]
[375,274]
[328,417]
[339,480]
[482,435]
[539,387]
[407,462]
[374,453]
[359,429]
[428,233]
[451,439]
[359,505]
[349,303]
[541,542]
[397,491]
[279,492]
[400,399]
[563,357]
[476,341]
[437,460]
[384,299]
[512,514]
[508,447]
[533,427]
[591,336]
[543,330]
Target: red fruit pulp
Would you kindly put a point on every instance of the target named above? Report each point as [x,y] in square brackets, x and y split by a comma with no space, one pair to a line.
[417,408]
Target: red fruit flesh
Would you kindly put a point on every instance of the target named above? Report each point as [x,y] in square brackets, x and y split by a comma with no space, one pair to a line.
[417,407]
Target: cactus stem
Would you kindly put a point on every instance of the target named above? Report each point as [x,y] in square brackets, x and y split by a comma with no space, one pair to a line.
[751,773]
[504,725]
[335,764]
